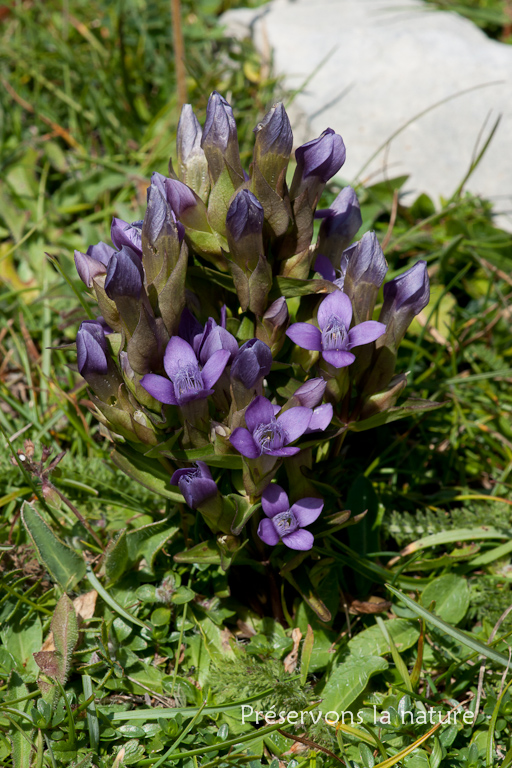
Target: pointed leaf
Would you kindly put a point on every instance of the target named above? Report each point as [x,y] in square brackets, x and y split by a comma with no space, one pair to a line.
[116,557]
[65,565]
[65,635]
[409,408]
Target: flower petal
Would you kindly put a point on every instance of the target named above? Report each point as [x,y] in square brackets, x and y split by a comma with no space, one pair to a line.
[260,411]
[243,441]
[267,532]
[178,355]
[337,304]
[307,510]
[337,358]
[274,500]
[305,335]
[283,452]
[160,388]
[364,333]
[300,539]
[295,421]
[276,408]
[214,368]
[321,418]
[325,268]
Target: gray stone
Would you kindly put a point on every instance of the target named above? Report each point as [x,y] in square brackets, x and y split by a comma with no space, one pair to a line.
[370,69]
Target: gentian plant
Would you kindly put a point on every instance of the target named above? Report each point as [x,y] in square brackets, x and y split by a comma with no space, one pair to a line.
[233,345]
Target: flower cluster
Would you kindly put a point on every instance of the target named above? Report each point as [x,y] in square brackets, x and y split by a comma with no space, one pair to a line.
[195,358]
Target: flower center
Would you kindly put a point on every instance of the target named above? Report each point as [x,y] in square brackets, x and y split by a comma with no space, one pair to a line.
[188,382]
[285,522]
[270,436]
[334,334]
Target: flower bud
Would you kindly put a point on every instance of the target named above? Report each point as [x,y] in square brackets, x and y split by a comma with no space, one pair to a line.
[123,233]
[274,140]
[310,393]
[404,298]
[161,235]
[195,483]
[220,139]
[252,363]
[271,329]
[94,362]
[213,338]
[339,226]
[93,263]
[317,162]
[124,275]
[244,225]
[192,163]
[186,206]
[364,268]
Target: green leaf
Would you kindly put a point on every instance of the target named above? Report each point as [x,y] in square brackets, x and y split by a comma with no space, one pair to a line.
[370,642]
[147,541]
[451,596]
[244,512]
[454,535]
[409,408]
[457,634]
[289,287]
[64,564]
[20,737]
[23,640]
[147,472]
[102,592]
[116,557]
[348,680]
[208,455]
[183,595]
[205,552]
[300,580]
[307,650]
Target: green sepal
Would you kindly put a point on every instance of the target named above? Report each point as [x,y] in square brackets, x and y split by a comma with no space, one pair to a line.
[409,408]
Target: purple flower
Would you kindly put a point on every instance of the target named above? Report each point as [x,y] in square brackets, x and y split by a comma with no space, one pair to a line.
[187,381]
[220,139]
[245,216]
[252,363]
[334,339]
[341,221]
[324,266]
[266,434]
[122,233]
[408,293]
[94,362]
[287,523]
[322,157]
[274,133]
[311,392]
[179,196]
[124,274]
[93,263]
[213,338]
[195,483]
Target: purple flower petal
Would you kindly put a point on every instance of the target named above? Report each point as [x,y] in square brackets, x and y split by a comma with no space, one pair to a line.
[300,539]
[276,408]
[307,510]
[321,418]
[311,392]
[218,338]
[325,268]
[338,359]
[274,500]
[364,333]
[336,304]
[213,369]
[178,355]
[267,532]
[160,388]
[243,441]
[282,452]
[260,411]
[179,472]
[189,327]
[305,335]
[295,421]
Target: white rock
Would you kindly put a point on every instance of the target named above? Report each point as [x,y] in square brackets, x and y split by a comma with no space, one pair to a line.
[367,68]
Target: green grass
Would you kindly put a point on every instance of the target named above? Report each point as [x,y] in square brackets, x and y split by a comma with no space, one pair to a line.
[165,637]
[493,16]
